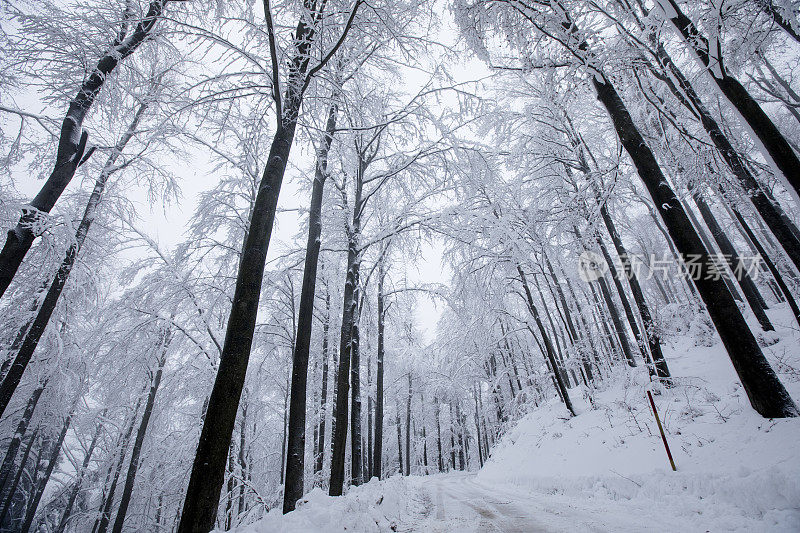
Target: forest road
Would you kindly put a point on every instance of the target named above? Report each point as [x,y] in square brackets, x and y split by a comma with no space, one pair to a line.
[459,503]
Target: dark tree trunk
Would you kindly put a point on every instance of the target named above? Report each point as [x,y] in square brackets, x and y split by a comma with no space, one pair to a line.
[284,438]
[72,141]
[55,451]
[19,434]
[323,399]
[243,465]
[345,344]
[401,470]
[787,294]
[67,514]
[408,426]
[650,332]
[438,433]
[377,457]
[108,502]
[295,466]
[368,462]
[776,146]
[478,427]
[740,273]
[130,479]
[356,461]
[34,330]
[229,491]
[562,389]
[20,470]
[766,393]
[208,470]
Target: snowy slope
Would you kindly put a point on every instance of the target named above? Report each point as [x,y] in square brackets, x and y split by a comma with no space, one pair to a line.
[606,469]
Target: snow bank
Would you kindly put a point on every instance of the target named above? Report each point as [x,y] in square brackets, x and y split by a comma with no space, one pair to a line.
[374,506]
[735,468]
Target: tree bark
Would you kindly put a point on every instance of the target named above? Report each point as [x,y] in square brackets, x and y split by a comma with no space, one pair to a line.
[34,330]
[356,460]
[562,389]
[130,478]
[740,273]
[67,514]
[349,310]
[72,142]
[776,148]
[377,456]
[766,393]
[295,465]
[408,426]
[650,332]
[401,470]
[323,399]
[108,501]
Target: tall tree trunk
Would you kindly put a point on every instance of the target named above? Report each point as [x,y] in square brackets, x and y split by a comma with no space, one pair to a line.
[650,331]
[108,502]
[401,470]
[562,389]
[67,514]
[243,464]
[408,426]
[739,270]
[295,466]
[130,478]
[34,330]
[55,451]
[19,434]
[478,427]
[323,399]
[766,393]
[72,141]
[350,305]
[369,467]
[17,476]
[776,148]
[208,470]
[356,461]
[436,414]
[377,456]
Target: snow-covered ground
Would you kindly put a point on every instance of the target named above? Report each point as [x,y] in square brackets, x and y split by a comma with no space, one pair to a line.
[606,469]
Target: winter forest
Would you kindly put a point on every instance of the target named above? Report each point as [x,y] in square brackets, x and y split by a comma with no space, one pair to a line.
[411,265]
